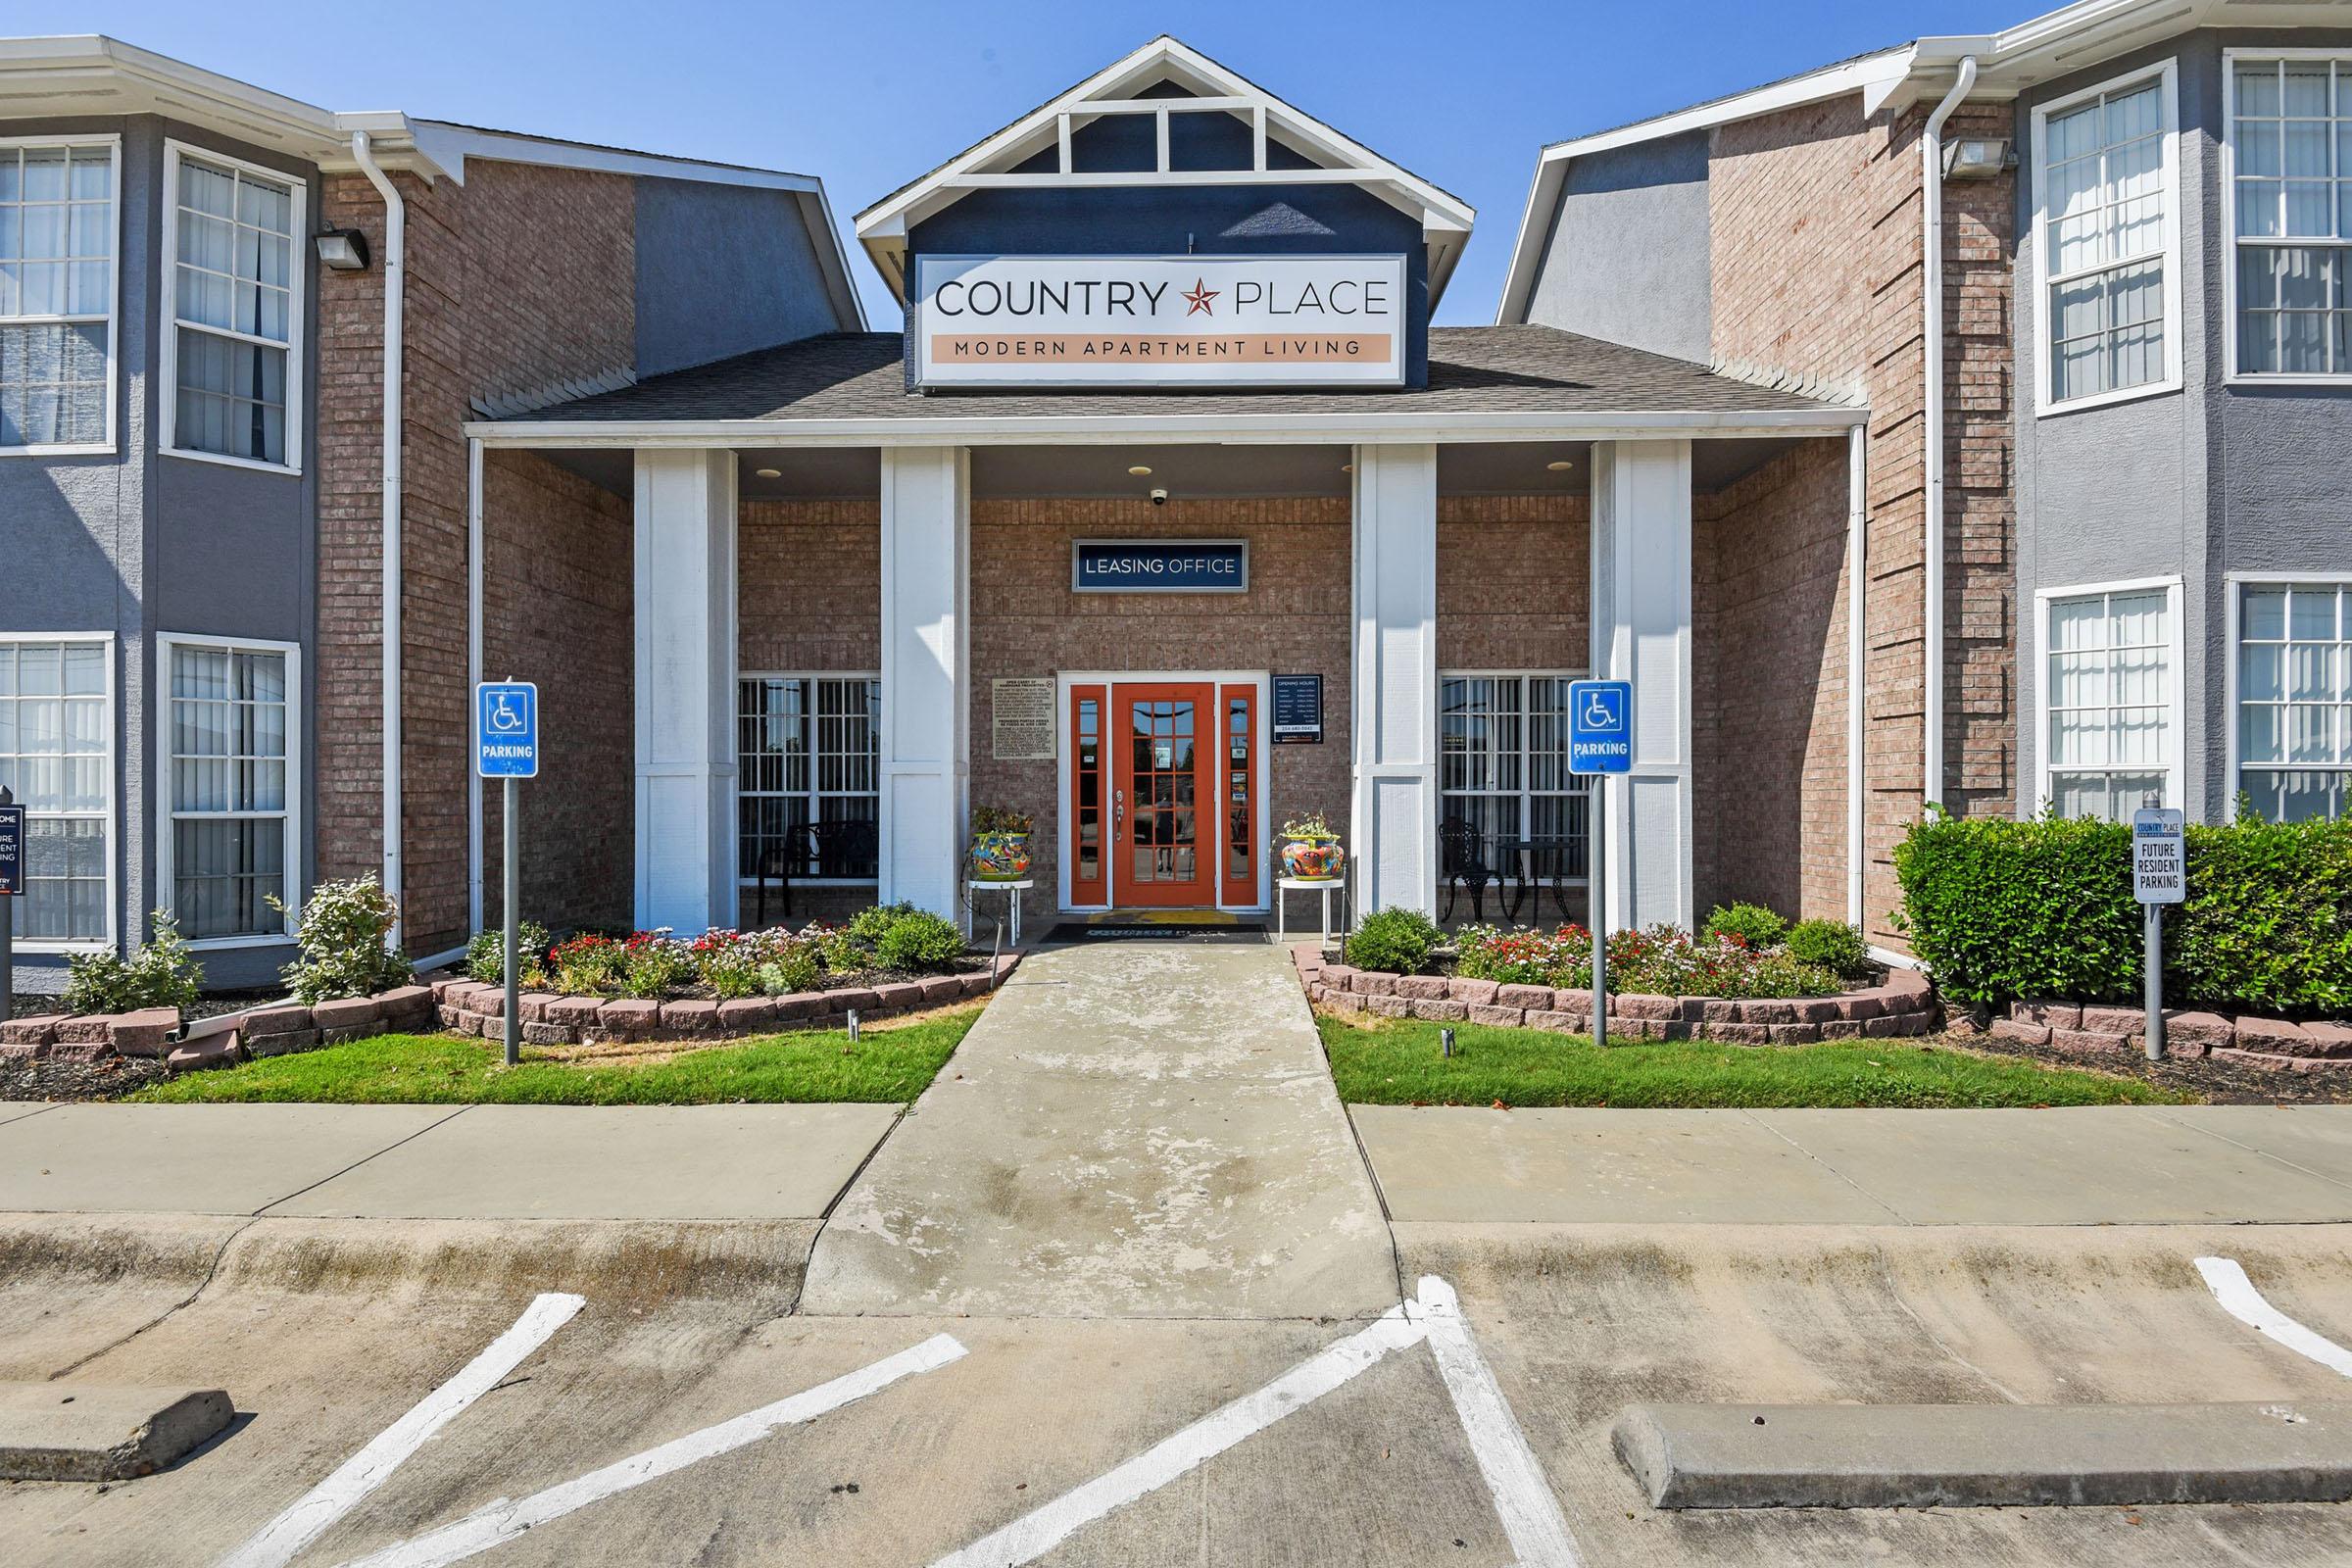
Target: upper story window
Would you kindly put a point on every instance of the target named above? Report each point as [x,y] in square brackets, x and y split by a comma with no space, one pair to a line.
[234,279]
[2110,291]
[2111,731]
[57,293]
[2291,157]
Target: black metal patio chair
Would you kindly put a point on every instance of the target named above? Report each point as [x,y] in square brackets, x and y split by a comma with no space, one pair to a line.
[843,851]
[1463,863]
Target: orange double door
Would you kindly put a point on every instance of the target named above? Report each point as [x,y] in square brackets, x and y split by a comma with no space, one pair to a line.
[1163,794]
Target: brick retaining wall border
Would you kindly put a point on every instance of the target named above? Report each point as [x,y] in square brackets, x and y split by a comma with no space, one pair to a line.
[1903,1005]
[2089,1030]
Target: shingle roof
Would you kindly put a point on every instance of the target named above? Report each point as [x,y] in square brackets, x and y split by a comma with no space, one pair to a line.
[1472,369]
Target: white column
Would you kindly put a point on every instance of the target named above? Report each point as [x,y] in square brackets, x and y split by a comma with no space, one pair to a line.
[685,625]
[1641,633]
[926,669]
[1394,709]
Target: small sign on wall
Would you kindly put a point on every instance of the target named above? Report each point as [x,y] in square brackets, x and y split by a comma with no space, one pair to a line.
[1021,719]
[1159,566]
[1297,711]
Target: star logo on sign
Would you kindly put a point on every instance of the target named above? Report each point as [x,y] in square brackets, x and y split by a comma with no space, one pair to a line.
[1199,297]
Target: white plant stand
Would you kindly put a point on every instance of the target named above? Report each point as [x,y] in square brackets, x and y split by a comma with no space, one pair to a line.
[1013,892]
[1327,885]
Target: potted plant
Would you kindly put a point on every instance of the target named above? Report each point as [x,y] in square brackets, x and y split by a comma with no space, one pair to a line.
[1311,849]
[1000,845]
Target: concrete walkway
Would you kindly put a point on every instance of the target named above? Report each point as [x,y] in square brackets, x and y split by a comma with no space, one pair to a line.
[1132,1129]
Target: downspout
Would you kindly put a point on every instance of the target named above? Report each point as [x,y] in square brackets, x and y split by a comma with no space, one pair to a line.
[396,228]
[1857,631]
[1930,152]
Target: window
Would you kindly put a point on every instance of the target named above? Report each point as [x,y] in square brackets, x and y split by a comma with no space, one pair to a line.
[57,293]
[235,286]
[2290,156]
[809,749]
[2105,239]
[56,725]
[1503,770]
[2294,698]
[228,844]
[2111,726]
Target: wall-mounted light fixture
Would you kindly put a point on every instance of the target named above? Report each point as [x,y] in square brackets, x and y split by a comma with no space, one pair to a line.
[1976,157]
[342,250]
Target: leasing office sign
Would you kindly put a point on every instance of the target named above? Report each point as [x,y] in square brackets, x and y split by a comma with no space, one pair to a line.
[1158,321]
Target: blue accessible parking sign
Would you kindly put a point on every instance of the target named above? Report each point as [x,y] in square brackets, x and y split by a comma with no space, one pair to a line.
[1600,726]
[505,729]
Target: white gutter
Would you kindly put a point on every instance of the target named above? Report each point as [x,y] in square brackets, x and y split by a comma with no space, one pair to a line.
[1930,152]
[396,231]
[1857,625]
[474,546]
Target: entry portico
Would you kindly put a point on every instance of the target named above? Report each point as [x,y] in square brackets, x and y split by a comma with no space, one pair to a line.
[850,570]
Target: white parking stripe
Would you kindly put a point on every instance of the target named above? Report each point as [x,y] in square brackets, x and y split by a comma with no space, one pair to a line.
[2242,1301]
[504,1519]
[1523,1498]
[279,1542]
[1034,1533]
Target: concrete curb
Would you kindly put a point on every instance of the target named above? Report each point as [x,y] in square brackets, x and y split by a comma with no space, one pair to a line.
[102,1432]
[1985,1455]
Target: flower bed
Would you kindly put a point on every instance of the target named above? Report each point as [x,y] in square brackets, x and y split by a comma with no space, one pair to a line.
[1901,1005]
[2089,1030]
[1660,960]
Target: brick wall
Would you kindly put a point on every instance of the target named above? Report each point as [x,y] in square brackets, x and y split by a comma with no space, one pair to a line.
[1815,214]
[519,279]
[1514,582]
[1769,646]
[558,609]
[809,593]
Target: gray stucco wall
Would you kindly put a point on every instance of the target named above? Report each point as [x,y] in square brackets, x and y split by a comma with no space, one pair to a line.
[2195,482]
[722,270]
[1627,257]
[135,544]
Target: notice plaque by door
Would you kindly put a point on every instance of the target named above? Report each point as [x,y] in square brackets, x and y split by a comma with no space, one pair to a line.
[1021,714]
[1297,711]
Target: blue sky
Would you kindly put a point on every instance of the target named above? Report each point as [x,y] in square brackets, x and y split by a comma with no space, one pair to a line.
[870,94]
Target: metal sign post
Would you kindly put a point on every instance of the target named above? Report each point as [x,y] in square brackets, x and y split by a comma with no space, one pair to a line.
[2159,876]
[1601,742]
[506,746]
[12,888]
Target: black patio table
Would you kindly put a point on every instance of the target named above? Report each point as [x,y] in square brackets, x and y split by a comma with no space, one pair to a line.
[1525,858]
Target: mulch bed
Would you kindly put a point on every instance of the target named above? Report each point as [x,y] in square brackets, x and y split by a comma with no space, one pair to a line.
[55,1078]
[2221,1081]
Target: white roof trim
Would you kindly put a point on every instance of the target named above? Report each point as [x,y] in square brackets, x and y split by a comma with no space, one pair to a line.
[450,145]
[1446,217]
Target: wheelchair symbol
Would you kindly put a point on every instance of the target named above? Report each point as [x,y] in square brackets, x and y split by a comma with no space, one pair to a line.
[505,718]
[1602,712]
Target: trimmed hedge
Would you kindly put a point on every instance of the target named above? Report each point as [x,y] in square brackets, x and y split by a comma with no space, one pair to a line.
[1998,910]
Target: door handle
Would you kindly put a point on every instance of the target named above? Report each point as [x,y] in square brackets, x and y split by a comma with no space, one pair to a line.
[1118,816]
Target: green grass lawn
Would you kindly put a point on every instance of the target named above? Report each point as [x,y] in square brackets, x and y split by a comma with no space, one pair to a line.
[1398,1063]
[886,1064]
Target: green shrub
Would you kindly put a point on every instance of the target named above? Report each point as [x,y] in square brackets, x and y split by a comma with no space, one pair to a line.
[486,954]
[1751,923]
[919,941]
[791,971]
[1998,910]
[160,974]
[869,925]
[1395,939]
[1830,945]
[344,933]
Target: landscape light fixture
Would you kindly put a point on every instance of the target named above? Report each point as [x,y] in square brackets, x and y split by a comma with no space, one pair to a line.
[342,250]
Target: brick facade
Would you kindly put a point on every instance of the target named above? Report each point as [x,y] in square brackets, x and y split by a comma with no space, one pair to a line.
[519,279]
[1514,582]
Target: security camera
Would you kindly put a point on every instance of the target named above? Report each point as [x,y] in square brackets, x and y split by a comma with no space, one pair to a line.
[1159,497]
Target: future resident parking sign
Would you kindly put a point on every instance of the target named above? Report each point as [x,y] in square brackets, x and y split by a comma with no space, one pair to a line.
[1600,726]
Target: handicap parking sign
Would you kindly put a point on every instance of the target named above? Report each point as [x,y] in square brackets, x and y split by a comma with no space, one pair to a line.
[1600,726]
[505,729]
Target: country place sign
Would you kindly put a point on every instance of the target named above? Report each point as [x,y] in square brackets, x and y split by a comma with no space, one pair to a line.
[1158,321]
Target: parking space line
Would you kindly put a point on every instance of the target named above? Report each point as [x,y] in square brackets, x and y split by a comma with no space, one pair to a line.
[1523,1499]
[505,1519]
[282,1539]
[2242,1301]
[1037,1533]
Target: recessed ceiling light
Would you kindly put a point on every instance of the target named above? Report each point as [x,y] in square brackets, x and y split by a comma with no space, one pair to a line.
[1142,470]
[770,473]
[1563,466]
[1346,467]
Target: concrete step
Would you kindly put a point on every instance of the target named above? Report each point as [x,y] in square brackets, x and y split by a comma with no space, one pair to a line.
[1988,1456]
[102,1432]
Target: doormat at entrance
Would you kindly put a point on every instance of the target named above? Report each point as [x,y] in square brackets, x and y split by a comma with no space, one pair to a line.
[1076,931]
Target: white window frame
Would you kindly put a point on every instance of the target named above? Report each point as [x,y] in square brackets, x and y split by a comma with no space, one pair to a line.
[2232,245]
[298,271]
[814,794]
[1526,792]
[114,304]
[2233,586]
[2044,318]
[165,783]
[112,812]
[2176,751]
